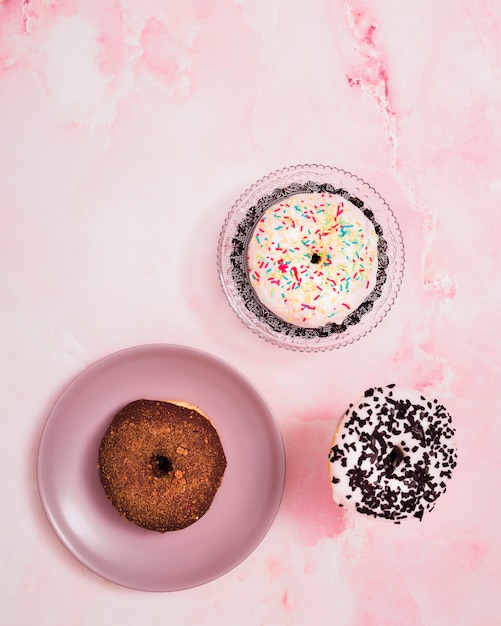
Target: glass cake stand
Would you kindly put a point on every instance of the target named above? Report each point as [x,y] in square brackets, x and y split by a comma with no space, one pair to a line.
[237,232]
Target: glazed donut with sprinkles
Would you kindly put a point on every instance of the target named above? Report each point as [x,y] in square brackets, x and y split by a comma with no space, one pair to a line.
[312,259]
[392,455]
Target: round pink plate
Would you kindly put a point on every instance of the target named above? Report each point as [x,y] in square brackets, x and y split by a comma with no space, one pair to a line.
[244,507]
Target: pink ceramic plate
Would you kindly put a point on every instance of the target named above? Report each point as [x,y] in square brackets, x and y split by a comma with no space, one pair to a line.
[242,511]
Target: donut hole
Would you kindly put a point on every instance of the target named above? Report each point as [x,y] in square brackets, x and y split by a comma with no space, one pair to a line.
[162,465]
[315,258]
[395,457]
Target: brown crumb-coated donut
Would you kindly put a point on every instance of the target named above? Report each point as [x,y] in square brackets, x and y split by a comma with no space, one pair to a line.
[161,464]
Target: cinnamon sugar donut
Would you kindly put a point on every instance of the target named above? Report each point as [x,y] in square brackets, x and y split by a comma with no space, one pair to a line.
[161,464]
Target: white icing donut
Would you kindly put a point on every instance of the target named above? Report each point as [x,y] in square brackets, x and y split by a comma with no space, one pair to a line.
[312,259]
[392,454]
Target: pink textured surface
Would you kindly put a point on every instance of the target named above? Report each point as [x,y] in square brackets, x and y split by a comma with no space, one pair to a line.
[128,131]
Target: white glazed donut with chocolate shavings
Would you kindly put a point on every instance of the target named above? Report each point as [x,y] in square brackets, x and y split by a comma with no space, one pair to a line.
[392,454]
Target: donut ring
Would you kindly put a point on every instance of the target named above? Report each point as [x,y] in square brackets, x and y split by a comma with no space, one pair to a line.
[312,259]
[161,464]
[392,454]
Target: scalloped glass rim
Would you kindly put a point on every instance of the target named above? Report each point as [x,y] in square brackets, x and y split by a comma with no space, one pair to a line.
[355,186]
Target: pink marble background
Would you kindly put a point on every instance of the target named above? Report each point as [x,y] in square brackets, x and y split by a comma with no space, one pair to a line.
[127,131]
